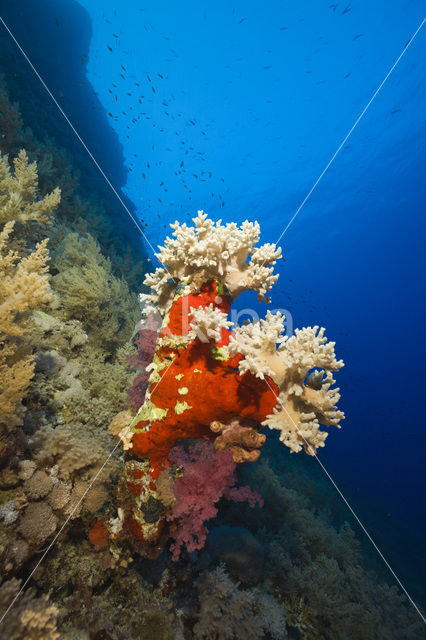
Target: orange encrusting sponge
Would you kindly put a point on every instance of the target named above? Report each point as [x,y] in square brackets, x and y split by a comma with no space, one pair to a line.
[198,385]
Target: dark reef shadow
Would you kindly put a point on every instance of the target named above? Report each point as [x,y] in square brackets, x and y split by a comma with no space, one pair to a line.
[56,35]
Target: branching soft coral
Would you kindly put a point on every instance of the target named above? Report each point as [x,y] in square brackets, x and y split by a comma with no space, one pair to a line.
[19,199]
[209,251]
[207,476]
[228,612]
[91,293]
[306,398]
[24,287]
[208,323]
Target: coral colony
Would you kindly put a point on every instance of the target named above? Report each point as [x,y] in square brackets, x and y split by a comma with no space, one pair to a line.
[211,388]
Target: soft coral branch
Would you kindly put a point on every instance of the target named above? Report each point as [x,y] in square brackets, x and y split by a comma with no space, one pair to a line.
[208,475]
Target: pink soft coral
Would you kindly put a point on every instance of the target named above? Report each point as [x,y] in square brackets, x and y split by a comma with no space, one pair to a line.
[145,343]
[208,475]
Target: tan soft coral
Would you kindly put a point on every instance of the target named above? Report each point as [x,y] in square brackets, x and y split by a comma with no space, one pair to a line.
[91,293]
[24,287]
[301,366]
[23,277]
[19,194]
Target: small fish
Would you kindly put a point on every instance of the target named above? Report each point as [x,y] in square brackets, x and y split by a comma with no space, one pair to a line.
[192,122]
[110,114]
[115,35]
[395,111]
[242,20]
[358,35]
[108,47]
[57,22]
[333,6]
[283,28]
[160,76]
[346,76]
[153,90]
[122,76]
[124,68]
[346,9]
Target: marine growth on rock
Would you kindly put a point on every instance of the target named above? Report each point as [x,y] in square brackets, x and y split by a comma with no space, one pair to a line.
[213,381]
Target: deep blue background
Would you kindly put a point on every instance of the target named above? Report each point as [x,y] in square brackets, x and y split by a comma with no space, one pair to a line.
[236,108]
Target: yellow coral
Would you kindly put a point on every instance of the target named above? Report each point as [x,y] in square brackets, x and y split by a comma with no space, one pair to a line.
[24,287]
[19,193]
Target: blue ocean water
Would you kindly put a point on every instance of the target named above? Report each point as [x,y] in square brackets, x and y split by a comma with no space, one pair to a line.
[237,109]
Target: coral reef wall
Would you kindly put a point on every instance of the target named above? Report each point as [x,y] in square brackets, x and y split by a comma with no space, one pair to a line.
[59,39]
[278,561]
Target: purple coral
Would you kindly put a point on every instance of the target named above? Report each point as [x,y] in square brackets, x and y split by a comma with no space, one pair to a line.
[145,343]
[208,475]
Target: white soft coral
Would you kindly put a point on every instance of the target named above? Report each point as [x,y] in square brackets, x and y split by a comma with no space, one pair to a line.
[301,367]
[208,323]
[211,250]
[257,341]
